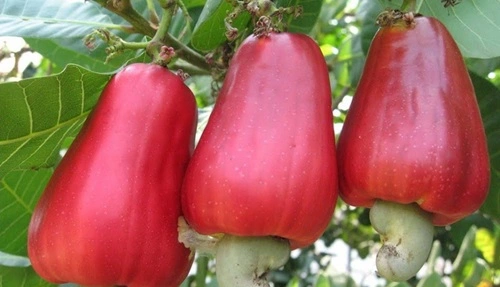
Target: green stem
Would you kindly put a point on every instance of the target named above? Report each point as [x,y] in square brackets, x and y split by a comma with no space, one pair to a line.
[134,45]
[125,10]
[201,271]
[158,41]
[165,21]
[187,53]
[162,37]
[190,69]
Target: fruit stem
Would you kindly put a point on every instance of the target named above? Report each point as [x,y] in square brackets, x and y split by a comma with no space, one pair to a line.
[406,232]
[245,261]
[397,18]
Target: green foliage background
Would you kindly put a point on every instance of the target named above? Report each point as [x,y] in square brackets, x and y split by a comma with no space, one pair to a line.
[39,116]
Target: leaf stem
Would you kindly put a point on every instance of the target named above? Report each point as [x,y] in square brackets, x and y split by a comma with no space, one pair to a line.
[161,37]
[187,53]
[124,9]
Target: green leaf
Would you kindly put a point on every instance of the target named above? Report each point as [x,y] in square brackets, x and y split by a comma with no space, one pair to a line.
[486,243]
[475,25]
[21,277]
[367,13]
[349,62]
[466,254]
[323,281]
[72,50]
[432,280]
[473,272]
[56,30]
[434,255]
[488,97]
[210,30]
[306,21]
[50,18]
[19,193]
[194,3]
[294,282]
[343,280]
[38,114]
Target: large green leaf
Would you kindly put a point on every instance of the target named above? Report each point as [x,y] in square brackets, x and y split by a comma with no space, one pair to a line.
[210,30]
[38,114]
[50,18]
[56,30]
[21,277]
[63,51]
[488,97]
[19,193]
[474,24]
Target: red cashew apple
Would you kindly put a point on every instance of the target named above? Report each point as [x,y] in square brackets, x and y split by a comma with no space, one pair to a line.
[413,146]
[108,215]
[264,172]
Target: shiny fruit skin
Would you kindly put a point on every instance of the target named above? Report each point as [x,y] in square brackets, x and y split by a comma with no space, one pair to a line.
[265,164]
[413,132]
[108,215]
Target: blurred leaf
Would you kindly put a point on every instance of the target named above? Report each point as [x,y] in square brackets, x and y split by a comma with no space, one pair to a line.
[434,255]
[486,242]
[488,97]
[342,280]
[458,230]
[473,273]
[10,260]
[432,280]
[181,28]
[482,67]
[21,277]
[466,255]
[398,284]
[19,193]
[194,3]
[367,14]
[323,281]
[210,30]
[38,114]
[294,282]
[331,10]
[305,22]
